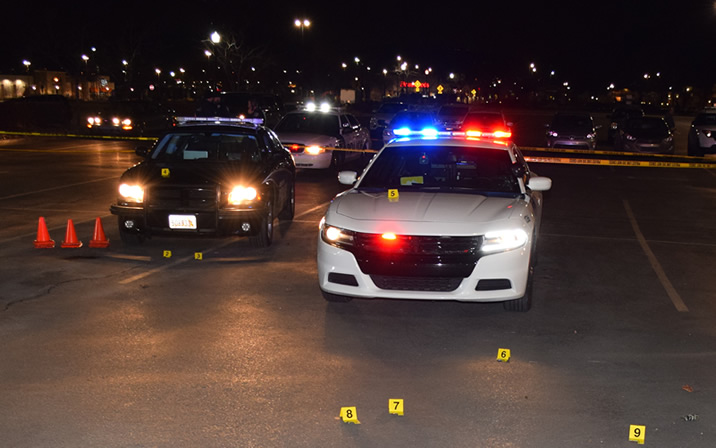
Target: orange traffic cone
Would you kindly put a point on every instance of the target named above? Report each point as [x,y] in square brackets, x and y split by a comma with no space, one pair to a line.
[43,240]
[71,237]
[98,240]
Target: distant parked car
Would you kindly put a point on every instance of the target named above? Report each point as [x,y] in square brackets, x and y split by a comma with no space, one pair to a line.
[384,114]
[646,135]
[572,130]
[702,135]
[451,116]
[143,118]
[619,116]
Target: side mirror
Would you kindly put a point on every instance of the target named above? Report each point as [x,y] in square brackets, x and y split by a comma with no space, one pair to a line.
[142,151]
[347,177]
[539,183]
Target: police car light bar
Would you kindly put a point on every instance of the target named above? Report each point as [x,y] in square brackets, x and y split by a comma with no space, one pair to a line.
[217,120]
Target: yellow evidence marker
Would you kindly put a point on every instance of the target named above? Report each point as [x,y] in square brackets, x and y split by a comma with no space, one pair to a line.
[167,254]
[637,433]
[393,195]
[395,406]
[503,354]
[349,415]
[165,172]
[198,256]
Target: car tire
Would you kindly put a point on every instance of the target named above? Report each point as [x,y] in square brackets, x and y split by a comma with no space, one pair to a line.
[289,209]
[335,298]
[524,303]
[127,236]
[264,237]
[693,149]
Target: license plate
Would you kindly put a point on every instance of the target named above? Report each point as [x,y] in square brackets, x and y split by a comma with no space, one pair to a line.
[182,222]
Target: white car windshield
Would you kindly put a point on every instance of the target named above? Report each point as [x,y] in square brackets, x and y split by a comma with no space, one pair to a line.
[464,169]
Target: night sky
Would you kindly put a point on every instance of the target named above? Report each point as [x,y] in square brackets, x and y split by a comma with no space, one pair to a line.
[587,43]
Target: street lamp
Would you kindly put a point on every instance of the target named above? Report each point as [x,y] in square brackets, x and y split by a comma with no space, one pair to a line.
[215,37]
[302,23]
[27,64]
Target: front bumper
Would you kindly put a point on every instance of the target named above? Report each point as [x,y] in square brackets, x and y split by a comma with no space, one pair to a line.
[318,161]
[220,222]
[495,277]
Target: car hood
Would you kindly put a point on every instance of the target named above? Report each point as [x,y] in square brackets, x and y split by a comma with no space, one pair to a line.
[194,173]
[424,212]
[304,138]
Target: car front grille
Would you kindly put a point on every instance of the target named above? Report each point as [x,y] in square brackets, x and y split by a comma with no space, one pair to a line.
[435,284]
[182,197]
[417,256]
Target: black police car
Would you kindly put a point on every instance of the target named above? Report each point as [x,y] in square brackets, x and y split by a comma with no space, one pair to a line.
[211,177]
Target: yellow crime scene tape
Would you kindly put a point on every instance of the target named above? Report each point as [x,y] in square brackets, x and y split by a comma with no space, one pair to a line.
[663,160]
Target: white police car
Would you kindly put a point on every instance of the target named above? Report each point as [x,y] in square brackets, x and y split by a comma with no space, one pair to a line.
[439,217]
[321,137]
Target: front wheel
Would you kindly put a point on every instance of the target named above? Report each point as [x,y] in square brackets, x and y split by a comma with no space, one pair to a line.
[693,149]
[264,237]
[524,303]
[289,209]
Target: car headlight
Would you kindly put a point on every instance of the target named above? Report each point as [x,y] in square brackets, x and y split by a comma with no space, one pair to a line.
[503,240]
[93,121]
[126,123]
[630,137]
[553,134]
[242,194]
[132,192]
[335,236]
[314,150]
[706,132]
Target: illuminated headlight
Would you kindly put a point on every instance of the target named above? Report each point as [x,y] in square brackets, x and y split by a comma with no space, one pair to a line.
[242,194]
[553,134]
[126,123]
[314,150]
[591,136]
[706,132]
[132,193]
[336,236]
[115,121]
[629,137]
[503,240]
[93,121]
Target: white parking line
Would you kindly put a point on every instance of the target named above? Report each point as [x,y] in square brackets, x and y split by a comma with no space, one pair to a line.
[670,290]
[189,258]
[60,187]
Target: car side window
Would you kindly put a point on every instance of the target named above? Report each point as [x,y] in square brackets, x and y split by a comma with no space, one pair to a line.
[354,122]
[346,124]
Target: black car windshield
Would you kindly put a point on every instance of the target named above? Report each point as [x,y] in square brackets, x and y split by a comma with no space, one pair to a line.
[206,146]
[647,127]
[572,122]
[705,119]
[309,123]
[483,170]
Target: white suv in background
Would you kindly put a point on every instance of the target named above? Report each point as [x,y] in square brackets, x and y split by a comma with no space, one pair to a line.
[702,135]
[314,133]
